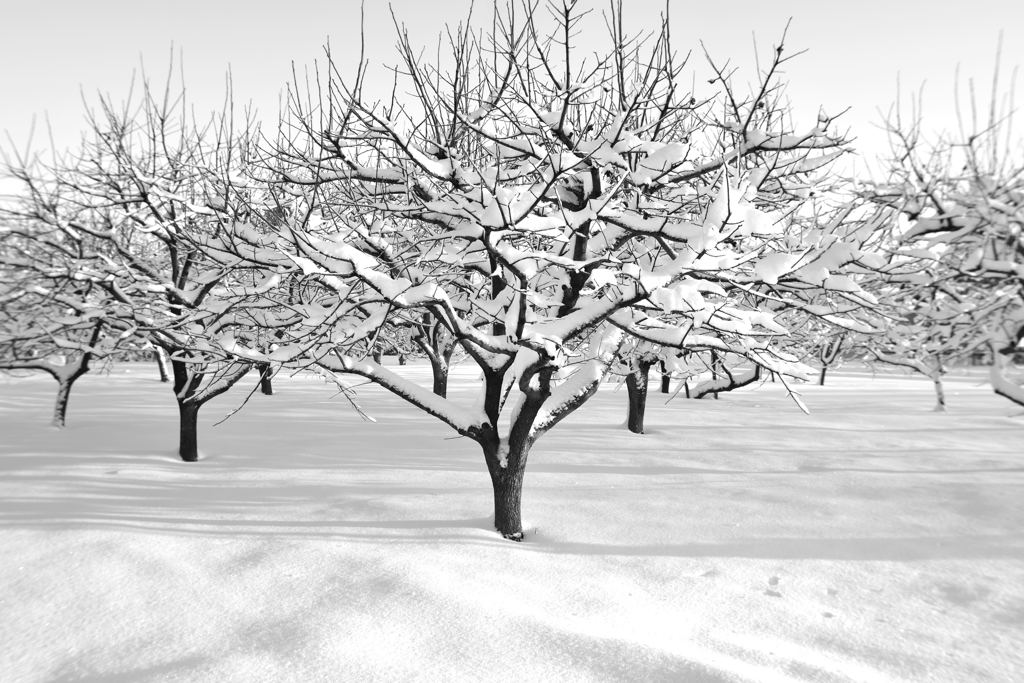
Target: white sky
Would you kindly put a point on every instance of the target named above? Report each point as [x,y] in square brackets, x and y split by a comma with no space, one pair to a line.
[51,52]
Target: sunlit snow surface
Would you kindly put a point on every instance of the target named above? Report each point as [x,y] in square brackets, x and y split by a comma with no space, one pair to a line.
[873,540]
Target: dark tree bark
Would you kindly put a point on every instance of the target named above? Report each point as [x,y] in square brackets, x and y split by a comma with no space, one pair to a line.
[703,390]
[266,378]
[191,396]
[439,370]
[636,389]
[188,431]
[60,407]
[940,394]
[506,459]
[378,356]
[666,378]
[828,353]
[402,360]
[66,381]
[717,368]
[445,353]
[161,364]
[507,484]
[438,347]
[185,387]
[65,376]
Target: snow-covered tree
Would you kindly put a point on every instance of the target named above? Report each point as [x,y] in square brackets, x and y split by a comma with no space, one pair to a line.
[52,319]
[959,208]
[925,325]
[796,282]
[148,185]
[551,210]
[49,320]
[829,350]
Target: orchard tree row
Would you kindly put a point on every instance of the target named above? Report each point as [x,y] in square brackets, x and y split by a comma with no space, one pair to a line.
[553,217]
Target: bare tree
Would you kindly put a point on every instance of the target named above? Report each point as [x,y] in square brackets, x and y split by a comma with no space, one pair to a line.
[136,202]
[51,319]
[543,208]
[958,207]
[61,334]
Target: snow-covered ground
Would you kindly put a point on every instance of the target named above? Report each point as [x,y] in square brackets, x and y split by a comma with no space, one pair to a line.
[873,540]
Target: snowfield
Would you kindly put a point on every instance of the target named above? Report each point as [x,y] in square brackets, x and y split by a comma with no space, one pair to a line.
[739,540]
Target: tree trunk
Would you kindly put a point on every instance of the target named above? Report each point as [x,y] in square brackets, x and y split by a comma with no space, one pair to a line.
[438,348]
[716,368]
[507,483]
[828,353]
[402,360]
[64,384]
[508,501]
[266,378]
[439,369]
[188,446]
[666,378]
[940,394]
[161,364]
[378,357]
[60,407]
[636,389]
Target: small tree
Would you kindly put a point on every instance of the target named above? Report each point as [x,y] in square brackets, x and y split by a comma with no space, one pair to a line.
[829,352]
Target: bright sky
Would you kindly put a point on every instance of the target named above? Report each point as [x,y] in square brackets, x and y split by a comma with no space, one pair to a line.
[52,52]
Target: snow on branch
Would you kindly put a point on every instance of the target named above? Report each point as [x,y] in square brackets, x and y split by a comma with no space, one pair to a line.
[465,422]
